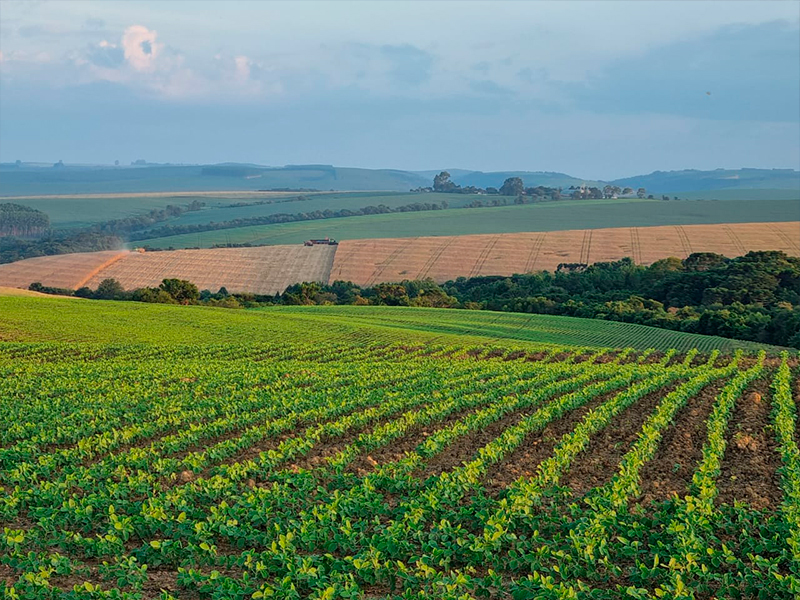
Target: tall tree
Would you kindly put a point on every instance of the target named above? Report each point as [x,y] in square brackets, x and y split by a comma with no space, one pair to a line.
[513,186]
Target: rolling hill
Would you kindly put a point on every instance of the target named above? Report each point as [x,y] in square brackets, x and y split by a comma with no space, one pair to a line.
[25,179]
[75,320]
[270,269]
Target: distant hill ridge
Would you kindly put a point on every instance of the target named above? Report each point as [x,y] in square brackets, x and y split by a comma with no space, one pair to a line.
[34,179]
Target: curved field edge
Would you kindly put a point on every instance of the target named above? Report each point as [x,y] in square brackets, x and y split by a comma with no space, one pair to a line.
[73,320]
[495,220]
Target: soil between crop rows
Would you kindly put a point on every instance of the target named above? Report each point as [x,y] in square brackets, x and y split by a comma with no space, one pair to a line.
[537,447]
[681,448]
[749,468]
[366,463]
[596,465]
[796,396]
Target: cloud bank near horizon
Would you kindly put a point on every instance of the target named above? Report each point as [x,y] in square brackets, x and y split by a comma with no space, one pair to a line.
[618,89]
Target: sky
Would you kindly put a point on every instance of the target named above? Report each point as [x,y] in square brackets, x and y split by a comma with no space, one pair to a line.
[593,89]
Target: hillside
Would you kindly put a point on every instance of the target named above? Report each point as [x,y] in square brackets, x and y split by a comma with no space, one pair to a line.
[270,269]
[531,179]
[221,449]
[28,179]
[169,417]
[719,179]
[367,262]
[98,180]
[76,320]
[546,216]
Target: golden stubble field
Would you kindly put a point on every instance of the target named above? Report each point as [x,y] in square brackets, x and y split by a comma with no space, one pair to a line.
[262,270]
[270,269]
[371,261]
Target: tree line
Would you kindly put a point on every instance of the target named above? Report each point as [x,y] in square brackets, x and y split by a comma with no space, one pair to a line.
[755,297]
[515,186]
[381,209]
[22,221]
[108,235]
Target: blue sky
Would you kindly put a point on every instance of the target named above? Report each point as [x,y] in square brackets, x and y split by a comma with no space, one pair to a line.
[595,89]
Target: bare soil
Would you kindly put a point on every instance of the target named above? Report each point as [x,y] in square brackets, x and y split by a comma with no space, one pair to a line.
[751,462]
[681,448]
[366,463]
[537,447]
[599,462]
[463,449]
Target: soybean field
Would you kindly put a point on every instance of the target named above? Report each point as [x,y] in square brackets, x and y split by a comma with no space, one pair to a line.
[324,461]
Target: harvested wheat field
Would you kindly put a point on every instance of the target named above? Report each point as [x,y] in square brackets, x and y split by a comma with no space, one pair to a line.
[69,271]
[371,261]
[270,269]
[263,270]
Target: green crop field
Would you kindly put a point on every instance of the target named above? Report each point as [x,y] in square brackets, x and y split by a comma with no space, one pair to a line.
[555,216]
[175,452]
[74,319]
[739,206]
[65,213]
[759,195]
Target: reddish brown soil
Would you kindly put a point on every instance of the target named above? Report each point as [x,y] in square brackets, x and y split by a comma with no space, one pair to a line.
[699,359]
[749,468]
[331,446]
[396,450]
[536,356]
[599,462]
[607,357]
[537,447]
[462,450]
[631,358]
[796,389]
[723,360]
[7,575]
[676,359]
[681,448]
[653,358]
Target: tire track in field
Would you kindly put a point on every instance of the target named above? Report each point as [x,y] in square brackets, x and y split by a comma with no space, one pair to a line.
[392,257]
[684,239]
[434,258]
[533,256]
[785,238]
[740,248]
[485,252]
[586,246]
[354,248]
[636,246]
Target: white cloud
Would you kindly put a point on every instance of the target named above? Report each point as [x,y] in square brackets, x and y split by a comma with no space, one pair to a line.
[242,73]
[140,47]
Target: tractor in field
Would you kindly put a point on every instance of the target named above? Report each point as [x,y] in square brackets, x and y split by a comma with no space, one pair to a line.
[322,242]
